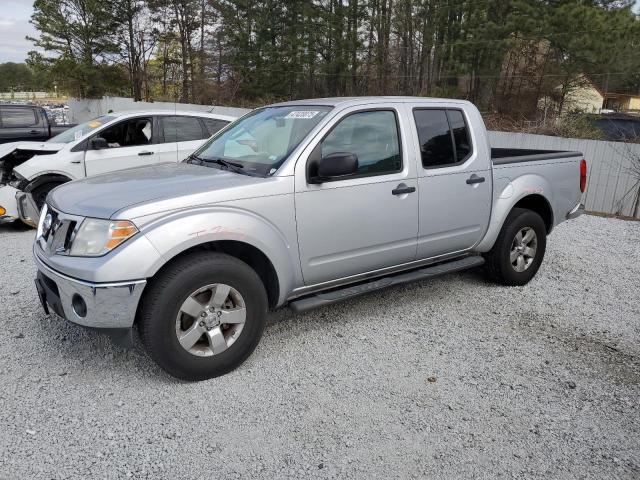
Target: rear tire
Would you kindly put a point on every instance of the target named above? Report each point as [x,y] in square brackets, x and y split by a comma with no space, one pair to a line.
[519,249]
[164,321]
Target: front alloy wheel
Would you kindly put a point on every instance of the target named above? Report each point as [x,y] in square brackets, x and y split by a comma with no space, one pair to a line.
[203,315]
[211,319]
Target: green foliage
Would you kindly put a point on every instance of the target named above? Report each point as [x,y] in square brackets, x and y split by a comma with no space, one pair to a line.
[573,126]
[505,55]
[16,77]
[80,35]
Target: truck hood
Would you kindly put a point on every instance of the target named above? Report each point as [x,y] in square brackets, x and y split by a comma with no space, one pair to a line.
[137,192]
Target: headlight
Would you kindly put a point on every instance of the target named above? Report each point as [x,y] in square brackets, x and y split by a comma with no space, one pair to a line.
[98,237]
[43,215]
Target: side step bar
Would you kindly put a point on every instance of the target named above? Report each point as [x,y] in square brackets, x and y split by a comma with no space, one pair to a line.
[334,296]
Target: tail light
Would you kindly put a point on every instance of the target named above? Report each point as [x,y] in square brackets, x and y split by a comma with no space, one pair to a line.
[583,175]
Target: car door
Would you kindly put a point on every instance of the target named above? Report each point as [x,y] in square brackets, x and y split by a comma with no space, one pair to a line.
[131,143]
[367,220]
[213,125]
[187,132]
[20,123]
[166,146]
[454,179]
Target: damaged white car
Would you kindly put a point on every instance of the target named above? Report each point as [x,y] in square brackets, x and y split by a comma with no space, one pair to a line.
[30,170]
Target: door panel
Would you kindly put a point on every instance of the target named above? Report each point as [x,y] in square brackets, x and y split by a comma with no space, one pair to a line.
[357,225]
[112,159]
[186,132]
[22,123]
[131,144]
[453,214]
[454,180]
[355,229]
[187,148]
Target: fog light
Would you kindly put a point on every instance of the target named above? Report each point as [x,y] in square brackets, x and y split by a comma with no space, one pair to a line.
[2,211]
[79,307]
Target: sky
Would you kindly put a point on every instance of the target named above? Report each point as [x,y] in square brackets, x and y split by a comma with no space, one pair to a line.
[14,26]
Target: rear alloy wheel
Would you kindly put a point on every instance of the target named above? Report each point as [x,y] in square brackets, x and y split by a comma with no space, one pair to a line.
[523,249]
[519,249]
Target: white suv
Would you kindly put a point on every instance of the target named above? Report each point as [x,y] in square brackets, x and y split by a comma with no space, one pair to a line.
[30,170]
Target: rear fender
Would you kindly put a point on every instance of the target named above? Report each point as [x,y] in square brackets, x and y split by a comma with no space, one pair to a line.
[175,233]
[507,198]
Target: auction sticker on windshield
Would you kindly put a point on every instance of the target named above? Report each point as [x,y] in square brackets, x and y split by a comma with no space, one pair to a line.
[302,114]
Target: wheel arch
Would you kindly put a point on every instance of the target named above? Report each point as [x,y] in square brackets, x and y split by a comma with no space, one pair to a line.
[249,254]
[540,205]
[45,178]
[236,231]
[534,195]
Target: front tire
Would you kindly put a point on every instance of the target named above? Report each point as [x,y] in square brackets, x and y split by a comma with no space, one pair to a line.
[40,193]
[203,315]
[519,249]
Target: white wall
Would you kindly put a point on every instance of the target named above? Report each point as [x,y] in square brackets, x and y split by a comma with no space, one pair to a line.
[23,95]
[81,110]
[611,186]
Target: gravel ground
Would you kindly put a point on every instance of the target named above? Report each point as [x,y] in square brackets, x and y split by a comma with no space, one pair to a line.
[452,378]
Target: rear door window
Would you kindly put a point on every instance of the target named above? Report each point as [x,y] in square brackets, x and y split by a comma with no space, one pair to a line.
[443,136]
[214,125]
[15,117]
[182,129]
[461,140]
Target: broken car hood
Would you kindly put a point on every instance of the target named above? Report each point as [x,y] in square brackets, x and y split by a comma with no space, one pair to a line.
[9,148]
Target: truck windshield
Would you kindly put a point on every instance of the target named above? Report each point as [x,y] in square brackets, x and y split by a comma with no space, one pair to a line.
[79,131]
[261,141]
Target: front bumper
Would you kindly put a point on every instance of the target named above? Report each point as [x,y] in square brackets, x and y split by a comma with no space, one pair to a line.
[9,204]
[18,205]
[96,305]
[27,209]
[576,211]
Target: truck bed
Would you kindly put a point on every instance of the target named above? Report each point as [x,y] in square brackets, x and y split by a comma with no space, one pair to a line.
[502,156]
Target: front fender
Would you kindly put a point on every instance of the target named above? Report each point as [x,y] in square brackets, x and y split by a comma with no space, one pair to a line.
[55,164]
[505,199]
[177,232]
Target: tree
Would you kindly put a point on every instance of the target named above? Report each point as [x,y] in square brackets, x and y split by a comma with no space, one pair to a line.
[80,34]
[16,77]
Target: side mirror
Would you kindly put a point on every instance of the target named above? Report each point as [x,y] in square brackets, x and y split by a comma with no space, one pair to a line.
[98,143]
[336,165]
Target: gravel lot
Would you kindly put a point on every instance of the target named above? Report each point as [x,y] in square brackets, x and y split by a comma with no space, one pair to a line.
[453,378]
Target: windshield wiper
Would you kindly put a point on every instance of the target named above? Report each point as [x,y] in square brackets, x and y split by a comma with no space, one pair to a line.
[218,161]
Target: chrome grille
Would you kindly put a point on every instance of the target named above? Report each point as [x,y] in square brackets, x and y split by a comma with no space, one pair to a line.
[57,232]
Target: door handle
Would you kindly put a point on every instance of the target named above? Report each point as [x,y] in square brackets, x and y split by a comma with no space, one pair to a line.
[474,179]
[402,190]
[142,154]
[34,132]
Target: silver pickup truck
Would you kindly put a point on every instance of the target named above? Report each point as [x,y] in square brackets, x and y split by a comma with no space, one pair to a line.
[303,203]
